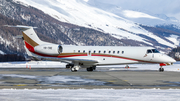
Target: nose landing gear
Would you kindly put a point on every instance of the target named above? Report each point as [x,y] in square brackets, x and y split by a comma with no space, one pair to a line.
[161,69]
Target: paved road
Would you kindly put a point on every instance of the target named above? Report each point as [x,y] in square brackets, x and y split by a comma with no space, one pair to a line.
[101,78]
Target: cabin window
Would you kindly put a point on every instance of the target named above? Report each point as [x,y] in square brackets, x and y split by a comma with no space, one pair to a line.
[84,51]
[122,52]
[109,52]
[99,51]
[79,51]
[113,52]
[104,52]
[118,52]
[94,51]
[89,52]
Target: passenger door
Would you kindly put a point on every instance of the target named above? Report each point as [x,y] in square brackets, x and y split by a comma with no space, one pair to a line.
[89,53]
[149,55]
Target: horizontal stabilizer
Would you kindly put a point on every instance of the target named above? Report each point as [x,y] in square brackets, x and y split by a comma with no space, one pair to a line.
[22,27]
[18,36]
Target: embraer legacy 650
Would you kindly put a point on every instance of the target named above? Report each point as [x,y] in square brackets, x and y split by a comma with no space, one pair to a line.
[89,57]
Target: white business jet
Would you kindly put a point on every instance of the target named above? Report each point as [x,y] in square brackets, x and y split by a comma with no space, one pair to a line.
[89,57]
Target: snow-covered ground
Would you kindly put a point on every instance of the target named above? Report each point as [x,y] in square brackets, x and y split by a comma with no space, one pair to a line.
[50,64]
[86,94]
[32,64]
[90,95]
[175,67]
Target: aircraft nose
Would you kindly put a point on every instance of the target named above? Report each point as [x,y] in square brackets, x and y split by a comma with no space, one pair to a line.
[171,60]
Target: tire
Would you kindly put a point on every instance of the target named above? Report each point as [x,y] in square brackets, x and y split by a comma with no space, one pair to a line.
[90,69]
[161,69]
[69,65]
[73,70]
[94,67]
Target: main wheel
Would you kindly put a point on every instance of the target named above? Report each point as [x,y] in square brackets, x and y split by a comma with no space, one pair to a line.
[73,69]
[90,69]
[69,65]
[94,67]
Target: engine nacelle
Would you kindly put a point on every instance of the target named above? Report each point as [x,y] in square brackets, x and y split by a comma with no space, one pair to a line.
[49,49]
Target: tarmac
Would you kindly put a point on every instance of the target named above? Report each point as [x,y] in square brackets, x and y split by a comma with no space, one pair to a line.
[102,78]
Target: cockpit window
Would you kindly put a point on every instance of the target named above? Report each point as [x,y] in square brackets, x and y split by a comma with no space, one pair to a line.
[155,51]
[149,51]
[152,51]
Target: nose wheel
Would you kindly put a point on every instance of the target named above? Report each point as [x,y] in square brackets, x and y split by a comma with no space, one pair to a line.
[161,69]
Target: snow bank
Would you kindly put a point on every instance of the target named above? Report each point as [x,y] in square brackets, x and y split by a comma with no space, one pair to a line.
[32,64]
[90,95]
[50,64]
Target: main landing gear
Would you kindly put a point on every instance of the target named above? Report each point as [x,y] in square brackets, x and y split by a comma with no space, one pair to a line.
[75,68]
[90,69]
[72,67]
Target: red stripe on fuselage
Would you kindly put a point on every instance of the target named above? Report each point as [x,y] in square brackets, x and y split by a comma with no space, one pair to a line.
[113,56]
[121,57]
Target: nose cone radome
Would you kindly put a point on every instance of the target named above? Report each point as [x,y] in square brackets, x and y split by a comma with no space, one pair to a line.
[167,59]
[172,60]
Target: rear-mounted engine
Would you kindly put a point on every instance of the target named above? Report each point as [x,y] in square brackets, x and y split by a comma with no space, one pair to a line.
[49,49]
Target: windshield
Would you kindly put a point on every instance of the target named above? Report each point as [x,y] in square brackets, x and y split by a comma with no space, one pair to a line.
[152,51]
[155,51]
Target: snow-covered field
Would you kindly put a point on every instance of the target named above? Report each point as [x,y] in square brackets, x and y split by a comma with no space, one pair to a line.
[175,67]
[90,95]
[32,64]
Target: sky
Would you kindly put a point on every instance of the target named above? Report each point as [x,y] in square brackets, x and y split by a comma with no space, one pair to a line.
[171,8]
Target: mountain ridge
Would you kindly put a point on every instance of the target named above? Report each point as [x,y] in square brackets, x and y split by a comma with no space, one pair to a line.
[81,13]
[52,30]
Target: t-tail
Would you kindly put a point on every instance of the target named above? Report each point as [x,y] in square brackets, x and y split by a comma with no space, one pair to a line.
[33,45]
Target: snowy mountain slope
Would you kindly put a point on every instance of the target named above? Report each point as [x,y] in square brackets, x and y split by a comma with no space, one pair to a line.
[1,52]
[80,13]
[140,11]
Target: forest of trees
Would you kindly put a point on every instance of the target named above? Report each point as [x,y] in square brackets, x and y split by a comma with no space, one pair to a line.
[175,53]
[11,57]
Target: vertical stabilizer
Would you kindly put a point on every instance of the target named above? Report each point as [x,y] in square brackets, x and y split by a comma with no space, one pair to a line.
[31,40]
[29,35]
